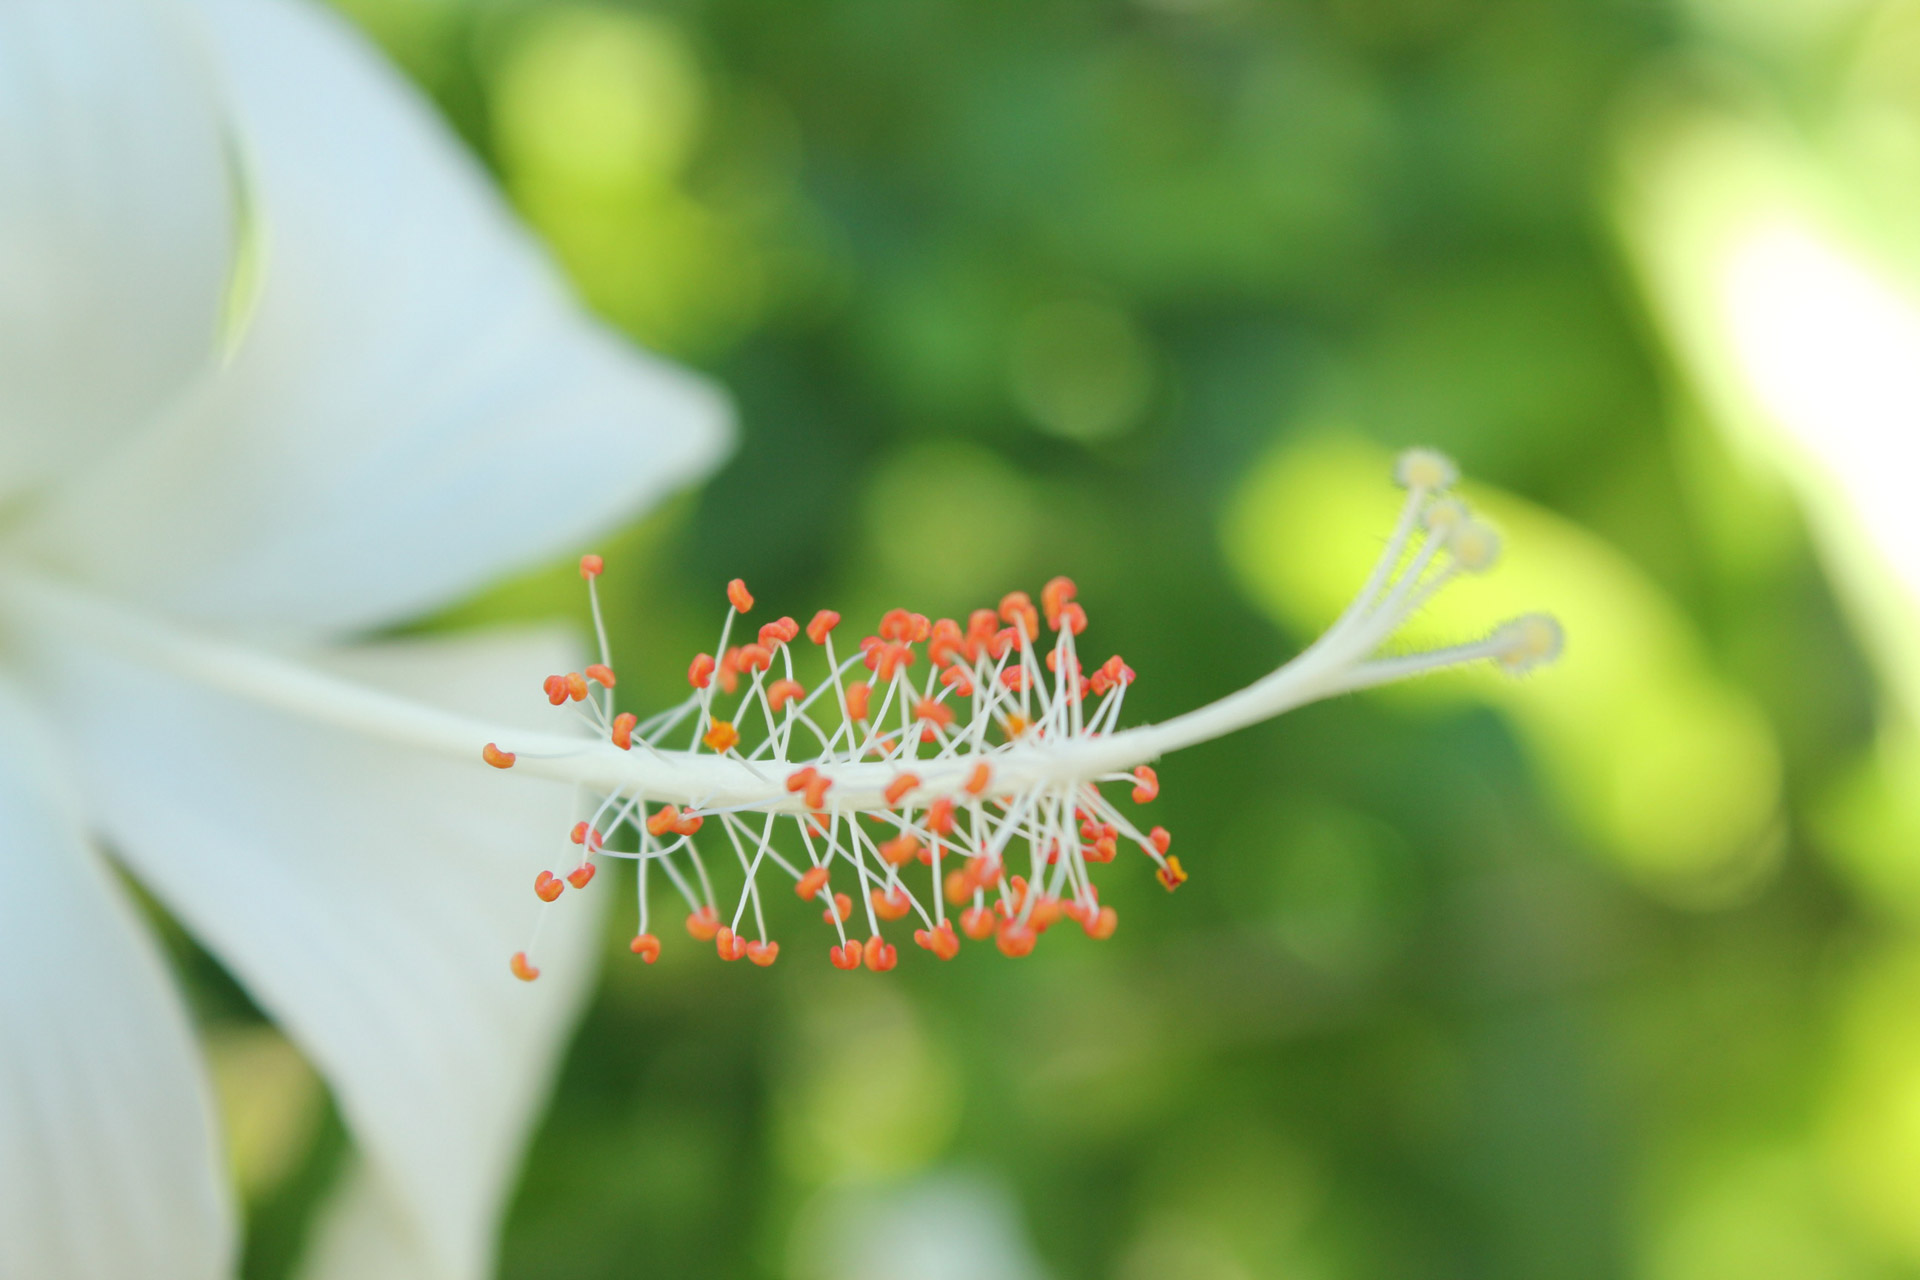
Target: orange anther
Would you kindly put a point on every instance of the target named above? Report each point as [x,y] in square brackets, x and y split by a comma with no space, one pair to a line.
[977,780]
[901,850]
[555,688]
[886,659]
[823,623]
[984,871]
[1015,678]
[700,670]
[939,940]
[623,726]
[1160,839]
[940,816]
[816,796]
[846,956]
[588,836]
[811,883]
[837,913]
[896,624]
[548,886]
[1101,926]
[1004,641]
[1017,611]
[959,885]
[899,787]
[1101,850]
[729,944]
[1016,725]
[729,669]
[738,596]
[857,695]
[763,953]
[1073,618]
[646,946]
[1149,785]
[958,679]
[799,778]
[1055,594]
[981,625]
[496,757]
[688,824]
[880,955]
[721,736]
[580,875]
[1015,940]
[945,641]
[977,923]
[1171,875]
[754,657]
[601,674]
[781,692]
[703,923]
[662,820]
[576,686]
[774,634]
[591,566]
[934,712]
[890,904]
[521,969]
[1045,914]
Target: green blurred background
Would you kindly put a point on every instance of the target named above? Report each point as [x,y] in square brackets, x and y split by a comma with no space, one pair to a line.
[1608,973]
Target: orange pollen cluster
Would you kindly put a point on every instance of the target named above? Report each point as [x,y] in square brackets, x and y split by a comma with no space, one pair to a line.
[939,704]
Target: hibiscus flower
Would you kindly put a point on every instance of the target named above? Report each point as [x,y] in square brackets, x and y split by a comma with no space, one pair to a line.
[277,370]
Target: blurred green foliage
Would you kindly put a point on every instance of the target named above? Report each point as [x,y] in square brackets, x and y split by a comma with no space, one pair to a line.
[1554,980]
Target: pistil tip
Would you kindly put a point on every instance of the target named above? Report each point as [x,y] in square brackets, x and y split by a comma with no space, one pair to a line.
[1528,642]
[1425,469]
[1474,544]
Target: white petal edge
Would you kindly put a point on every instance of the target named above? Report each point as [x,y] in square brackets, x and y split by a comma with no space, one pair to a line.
[109,1162]
[363,1234]
[367,896]
[416,405]
[117,225]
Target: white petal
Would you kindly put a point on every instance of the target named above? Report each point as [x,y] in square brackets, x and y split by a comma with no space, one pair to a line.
[109,1166]
[367,897]
[362,1235]
[116,225]
[415,408]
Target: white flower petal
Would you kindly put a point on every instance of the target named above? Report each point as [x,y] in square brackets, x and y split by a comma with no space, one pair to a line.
[116,225]
[109,1166]
[415,407]
[362,1234]
[368,897]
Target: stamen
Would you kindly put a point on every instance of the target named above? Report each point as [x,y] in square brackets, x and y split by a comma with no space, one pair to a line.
[991,763]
